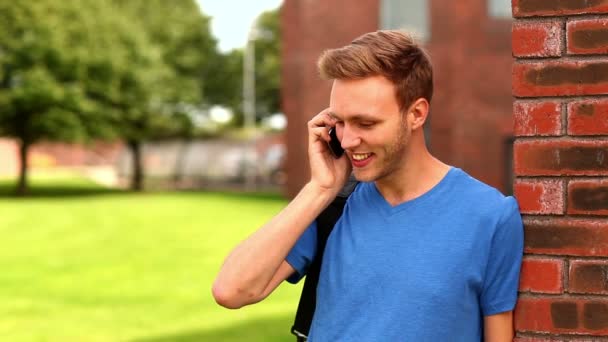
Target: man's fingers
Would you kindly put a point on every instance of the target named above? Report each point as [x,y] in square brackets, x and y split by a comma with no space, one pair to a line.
[323,119]
[321,132]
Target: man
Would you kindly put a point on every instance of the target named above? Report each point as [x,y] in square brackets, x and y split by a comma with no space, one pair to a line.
[422,252]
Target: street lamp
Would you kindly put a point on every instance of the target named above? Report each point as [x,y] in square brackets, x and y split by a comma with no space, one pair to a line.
[249,79]
[249,103]
[249,110]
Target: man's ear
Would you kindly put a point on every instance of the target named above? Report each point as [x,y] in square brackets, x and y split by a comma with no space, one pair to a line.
[420,111]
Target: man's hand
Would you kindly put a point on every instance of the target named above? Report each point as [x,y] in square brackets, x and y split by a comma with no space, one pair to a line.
[326,171]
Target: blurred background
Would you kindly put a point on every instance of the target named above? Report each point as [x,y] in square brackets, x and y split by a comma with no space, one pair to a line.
[141,140]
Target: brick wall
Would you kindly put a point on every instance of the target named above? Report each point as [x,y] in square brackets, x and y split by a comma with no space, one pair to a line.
[55,154]
[471,118]
[9,162]
[560,84]
[65,154]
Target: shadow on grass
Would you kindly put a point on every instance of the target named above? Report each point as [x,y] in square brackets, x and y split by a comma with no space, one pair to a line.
[269,329]
[81,188]
[7,190]
[268,195]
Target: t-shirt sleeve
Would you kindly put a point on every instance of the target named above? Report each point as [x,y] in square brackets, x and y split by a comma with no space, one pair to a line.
[303,253]
[501,282]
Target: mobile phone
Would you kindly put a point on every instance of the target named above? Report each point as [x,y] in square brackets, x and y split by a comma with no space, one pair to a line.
[334,144]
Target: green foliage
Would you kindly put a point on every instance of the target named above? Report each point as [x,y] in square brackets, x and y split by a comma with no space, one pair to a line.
[172,91]
[225,83]
[268,64]
[126,75]
[41,93]
[225,77]
[79,70]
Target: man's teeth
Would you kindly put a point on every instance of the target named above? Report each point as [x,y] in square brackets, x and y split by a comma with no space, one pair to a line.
[361,156]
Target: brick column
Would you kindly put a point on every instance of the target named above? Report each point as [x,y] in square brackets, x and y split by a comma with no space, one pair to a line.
[560,84]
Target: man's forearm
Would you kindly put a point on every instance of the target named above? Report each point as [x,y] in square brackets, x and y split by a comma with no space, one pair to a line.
[248,269]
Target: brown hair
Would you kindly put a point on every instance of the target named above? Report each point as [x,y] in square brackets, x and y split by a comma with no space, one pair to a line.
[389,53]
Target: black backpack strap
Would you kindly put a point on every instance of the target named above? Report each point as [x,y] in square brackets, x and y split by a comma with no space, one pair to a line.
[325,223]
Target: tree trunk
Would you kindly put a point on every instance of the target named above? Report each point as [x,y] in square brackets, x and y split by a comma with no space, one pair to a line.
[21,189]
[138,167]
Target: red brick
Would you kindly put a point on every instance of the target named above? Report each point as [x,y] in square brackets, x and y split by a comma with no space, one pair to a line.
[537,118]
[588,276]
[580,237]
[537,39]
[561,157]
[559,78]
[540,196]
[588,36]
[536,339]
[562,316]
[541,275]
[589,117]
[588,197]
[526,8]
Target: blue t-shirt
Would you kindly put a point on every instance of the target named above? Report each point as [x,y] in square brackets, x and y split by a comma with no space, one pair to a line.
[428,269]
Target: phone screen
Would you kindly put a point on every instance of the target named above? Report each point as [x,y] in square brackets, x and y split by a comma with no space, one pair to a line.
[334,143]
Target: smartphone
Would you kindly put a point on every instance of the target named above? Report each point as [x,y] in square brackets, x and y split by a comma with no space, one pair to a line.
[334,144]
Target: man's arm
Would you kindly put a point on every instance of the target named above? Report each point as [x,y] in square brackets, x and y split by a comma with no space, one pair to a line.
[257,265]
[499,327]
[250,272]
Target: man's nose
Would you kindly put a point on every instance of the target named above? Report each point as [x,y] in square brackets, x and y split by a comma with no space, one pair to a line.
[348,138]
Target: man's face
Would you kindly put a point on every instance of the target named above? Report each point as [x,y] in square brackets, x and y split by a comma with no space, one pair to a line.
[372,130]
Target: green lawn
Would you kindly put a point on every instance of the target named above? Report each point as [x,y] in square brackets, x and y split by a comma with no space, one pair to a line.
[79,263]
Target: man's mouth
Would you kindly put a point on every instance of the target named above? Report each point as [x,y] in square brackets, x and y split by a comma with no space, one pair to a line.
[361,156]
[360,160]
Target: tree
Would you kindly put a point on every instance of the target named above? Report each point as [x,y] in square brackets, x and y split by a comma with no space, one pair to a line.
[268,64]
[43,57]
[182,35]
[79,70]
[224,82]
[225,79]
[129,84]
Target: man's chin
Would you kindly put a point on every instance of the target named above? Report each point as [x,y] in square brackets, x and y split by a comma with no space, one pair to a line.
[364,175]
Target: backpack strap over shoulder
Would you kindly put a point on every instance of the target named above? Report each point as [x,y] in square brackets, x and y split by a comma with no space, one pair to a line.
[325,223]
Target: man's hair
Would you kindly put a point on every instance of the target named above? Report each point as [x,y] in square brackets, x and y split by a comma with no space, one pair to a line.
[389,53]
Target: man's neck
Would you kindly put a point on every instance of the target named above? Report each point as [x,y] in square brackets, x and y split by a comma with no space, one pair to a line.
[413,180]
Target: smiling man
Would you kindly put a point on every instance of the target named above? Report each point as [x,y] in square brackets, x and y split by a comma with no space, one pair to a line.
[422,251]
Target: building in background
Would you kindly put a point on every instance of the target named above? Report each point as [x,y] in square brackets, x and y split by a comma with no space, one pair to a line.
[8,157]
[212,164]
[469,42]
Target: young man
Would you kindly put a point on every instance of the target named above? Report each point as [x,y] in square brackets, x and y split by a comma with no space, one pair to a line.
[422,252]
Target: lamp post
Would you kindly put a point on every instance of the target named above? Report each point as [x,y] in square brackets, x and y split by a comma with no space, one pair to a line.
[249,105]
[249,79]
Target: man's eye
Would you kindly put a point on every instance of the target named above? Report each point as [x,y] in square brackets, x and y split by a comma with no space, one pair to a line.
[366,124]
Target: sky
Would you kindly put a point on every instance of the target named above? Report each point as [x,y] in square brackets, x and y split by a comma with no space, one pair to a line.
[231,19]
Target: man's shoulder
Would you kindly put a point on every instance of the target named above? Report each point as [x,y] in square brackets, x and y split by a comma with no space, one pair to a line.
[485,204]
[472,191]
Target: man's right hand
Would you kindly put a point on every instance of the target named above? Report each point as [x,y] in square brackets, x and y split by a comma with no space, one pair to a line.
[327,172]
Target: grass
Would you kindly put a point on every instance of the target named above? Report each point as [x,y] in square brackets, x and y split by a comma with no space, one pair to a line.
[83,263]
